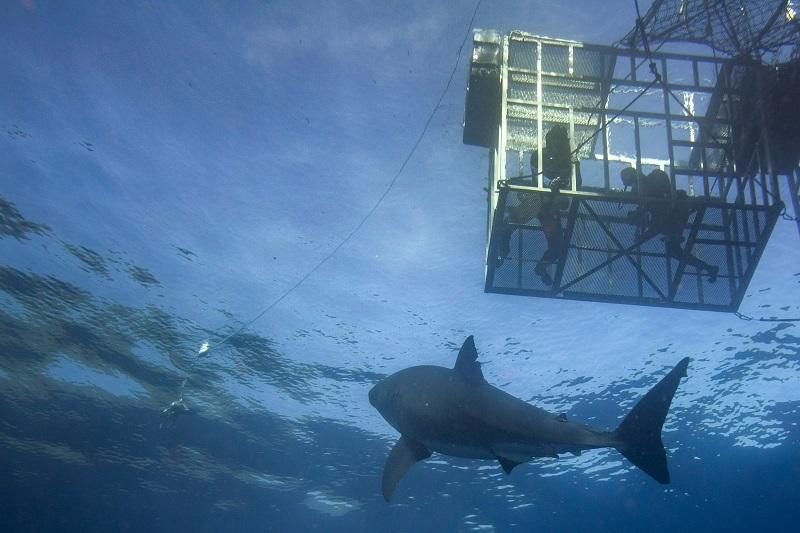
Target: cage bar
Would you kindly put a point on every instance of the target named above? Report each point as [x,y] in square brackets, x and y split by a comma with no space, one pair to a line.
[696,125]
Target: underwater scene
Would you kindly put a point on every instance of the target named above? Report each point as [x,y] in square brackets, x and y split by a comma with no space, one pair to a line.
[395,266]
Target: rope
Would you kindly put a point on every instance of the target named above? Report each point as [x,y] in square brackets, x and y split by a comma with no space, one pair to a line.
[640,25]
[656,79]
[207,347]
[598,130]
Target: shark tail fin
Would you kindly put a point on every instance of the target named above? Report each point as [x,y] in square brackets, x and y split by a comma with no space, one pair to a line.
[639,433]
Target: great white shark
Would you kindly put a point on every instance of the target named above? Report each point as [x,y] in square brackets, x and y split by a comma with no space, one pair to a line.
[456,412]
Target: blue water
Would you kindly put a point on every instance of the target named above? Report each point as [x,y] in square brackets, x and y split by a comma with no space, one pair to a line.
[167,171]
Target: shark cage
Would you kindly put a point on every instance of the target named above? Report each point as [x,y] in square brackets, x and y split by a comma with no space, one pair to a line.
[704,125]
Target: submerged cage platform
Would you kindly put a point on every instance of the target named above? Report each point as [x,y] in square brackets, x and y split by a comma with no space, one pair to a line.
[703,124]
[605,258]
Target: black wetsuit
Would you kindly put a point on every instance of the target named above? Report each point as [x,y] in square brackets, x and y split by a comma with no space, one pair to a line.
[557,167]
[668,219]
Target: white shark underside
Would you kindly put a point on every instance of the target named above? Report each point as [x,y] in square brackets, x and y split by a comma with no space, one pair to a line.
[456,412]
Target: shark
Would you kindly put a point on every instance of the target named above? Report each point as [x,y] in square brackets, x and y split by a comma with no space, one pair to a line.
[456,412]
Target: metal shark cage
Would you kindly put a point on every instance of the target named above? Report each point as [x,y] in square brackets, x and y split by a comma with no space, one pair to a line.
[703,123]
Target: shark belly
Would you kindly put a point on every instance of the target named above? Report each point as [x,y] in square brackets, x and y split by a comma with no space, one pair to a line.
[520,453]
[476,429]
[490,424]
[459,449]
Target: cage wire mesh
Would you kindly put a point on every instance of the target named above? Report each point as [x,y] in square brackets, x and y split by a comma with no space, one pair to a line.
[734,27]
[572,87]
[601,260]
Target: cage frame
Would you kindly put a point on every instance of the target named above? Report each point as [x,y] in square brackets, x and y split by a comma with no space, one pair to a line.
[735,180]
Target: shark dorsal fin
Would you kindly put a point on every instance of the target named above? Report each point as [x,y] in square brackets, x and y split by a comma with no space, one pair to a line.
[467,364]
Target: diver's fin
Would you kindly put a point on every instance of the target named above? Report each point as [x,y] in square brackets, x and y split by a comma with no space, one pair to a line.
[405,453]
[507,464]
[640,431]
[467,363]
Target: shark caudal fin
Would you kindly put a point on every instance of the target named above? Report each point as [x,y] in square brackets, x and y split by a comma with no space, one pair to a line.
[640,431]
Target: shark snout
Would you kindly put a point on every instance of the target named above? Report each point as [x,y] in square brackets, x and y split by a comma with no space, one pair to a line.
[382,395]
[374,395]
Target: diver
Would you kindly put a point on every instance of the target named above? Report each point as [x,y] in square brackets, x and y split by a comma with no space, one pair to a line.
[174,410]
[557,169]
[661,217]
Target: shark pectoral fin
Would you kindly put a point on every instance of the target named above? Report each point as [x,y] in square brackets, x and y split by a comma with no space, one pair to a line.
[405,453]
[507,464]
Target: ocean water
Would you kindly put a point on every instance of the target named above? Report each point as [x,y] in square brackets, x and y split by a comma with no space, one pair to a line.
[169,171]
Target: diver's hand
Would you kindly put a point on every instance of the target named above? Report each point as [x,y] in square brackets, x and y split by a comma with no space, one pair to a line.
[634,217]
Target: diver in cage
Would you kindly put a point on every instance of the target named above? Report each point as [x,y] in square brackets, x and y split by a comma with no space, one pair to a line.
[661,217]
[557,168]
